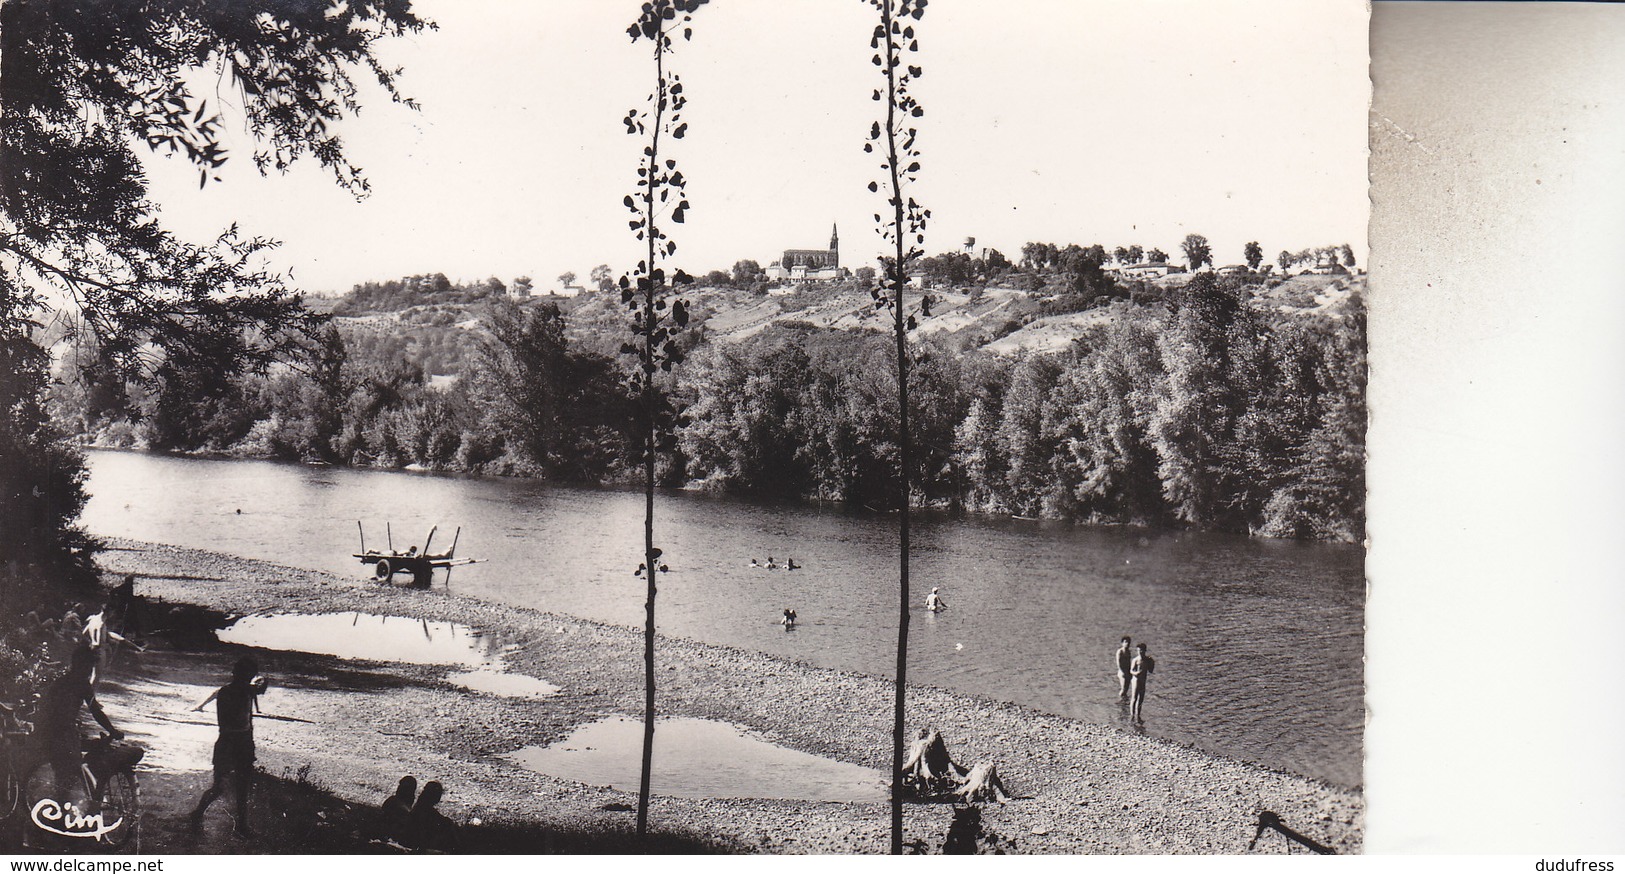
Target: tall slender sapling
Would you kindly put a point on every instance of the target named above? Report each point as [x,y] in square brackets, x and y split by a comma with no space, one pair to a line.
[657,313]
[895,44]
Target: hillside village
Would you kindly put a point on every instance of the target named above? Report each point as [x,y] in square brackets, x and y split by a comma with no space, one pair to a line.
[996,318]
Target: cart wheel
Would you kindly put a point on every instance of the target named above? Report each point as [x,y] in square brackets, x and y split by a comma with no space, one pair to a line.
[382,570]
[423,575]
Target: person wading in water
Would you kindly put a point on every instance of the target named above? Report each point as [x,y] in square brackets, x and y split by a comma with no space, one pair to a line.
[234,707]
[1141,668]
[1125,660]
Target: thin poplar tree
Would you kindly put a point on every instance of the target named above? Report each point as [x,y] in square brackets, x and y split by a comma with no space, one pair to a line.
[894,43]
[658,314]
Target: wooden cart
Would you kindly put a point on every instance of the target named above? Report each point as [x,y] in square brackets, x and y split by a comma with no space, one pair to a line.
[420,563]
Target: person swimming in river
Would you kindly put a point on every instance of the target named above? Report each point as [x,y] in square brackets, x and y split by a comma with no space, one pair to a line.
[771,564]
[789,620]
[755,564]
[791,565]
[934,602]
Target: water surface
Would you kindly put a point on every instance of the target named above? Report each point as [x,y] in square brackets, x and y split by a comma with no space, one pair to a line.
[1258,643]
[392,639]
[699,758]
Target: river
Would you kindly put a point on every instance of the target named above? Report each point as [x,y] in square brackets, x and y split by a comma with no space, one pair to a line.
[1259,644]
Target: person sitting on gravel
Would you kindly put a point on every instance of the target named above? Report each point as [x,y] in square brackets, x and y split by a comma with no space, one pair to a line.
[1141,669]
[428,829]
[234,707]
[395,813]
[1125,660]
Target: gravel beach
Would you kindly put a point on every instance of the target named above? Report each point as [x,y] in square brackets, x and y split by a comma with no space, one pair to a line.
[1083,788]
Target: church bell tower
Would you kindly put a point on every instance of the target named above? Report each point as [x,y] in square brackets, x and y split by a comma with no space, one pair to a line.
[835,244]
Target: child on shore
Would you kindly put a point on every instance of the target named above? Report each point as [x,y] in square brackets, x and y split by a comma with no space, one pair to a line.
[234,707]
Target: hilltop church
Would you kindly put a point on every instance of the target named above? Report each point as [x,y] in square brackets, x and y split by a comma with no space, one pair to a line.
[808,265]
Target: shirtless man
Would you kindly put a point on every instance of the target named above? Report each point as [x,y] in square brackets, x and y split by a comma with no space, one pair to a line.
[234,707]
[1125,658]
[56,721]
[933,601]
[1140,669]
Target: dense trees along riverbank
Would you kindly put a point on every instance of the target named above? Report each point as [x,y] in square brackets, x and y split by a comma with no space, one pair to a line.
[1210,409]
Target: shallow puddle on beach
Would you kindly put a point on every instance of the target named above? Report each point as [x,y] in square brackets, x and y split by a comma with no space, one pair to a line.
[492,681]
[392,639]
[699,758]
[366,636]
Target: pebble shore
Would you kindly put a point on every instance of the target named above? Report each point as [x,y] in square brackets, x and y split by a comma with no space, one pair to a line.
[1084,788]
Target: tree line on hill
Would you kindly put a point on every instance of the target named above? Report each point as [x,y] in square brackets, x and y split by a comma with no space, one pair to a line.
[1202,410]
[1209,413]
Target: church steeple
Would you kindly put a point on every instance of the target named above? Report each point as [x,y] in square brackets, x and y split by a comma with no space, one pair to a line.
[834,239]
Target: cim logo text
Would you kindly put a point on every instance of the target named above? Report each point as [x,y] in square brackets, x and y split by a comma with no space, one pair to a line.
[68,820]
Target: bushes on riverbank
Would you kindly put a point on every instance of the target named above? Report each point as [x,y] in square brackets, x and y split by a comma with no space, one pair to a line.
[1210,413]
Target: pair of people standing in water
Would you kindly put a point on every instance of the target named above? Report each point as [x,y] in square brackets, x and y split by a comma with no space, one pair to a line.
[1134,668]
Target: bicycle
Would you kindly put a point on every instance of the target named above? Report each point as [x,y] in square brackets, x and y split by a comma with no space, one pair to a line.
[104,806]
[14,730]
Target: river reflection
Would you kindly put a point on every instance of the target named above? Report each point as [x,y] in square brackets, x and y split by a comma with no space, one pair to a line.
[1258,643]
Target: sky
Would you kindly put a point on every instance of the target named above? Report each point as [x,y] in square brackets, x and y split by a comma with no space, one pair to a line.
[1046,120]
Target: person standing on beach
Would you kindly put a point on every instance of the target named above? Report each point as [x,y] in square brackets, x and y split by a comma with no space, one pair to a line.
[234,707]
[1125,659]
[1140,669]
[56,720]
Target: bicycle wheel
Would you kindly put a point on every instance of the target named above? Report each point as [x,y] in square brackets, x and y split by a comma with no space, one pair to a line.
[121,803]
[11,794]
[40,786]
